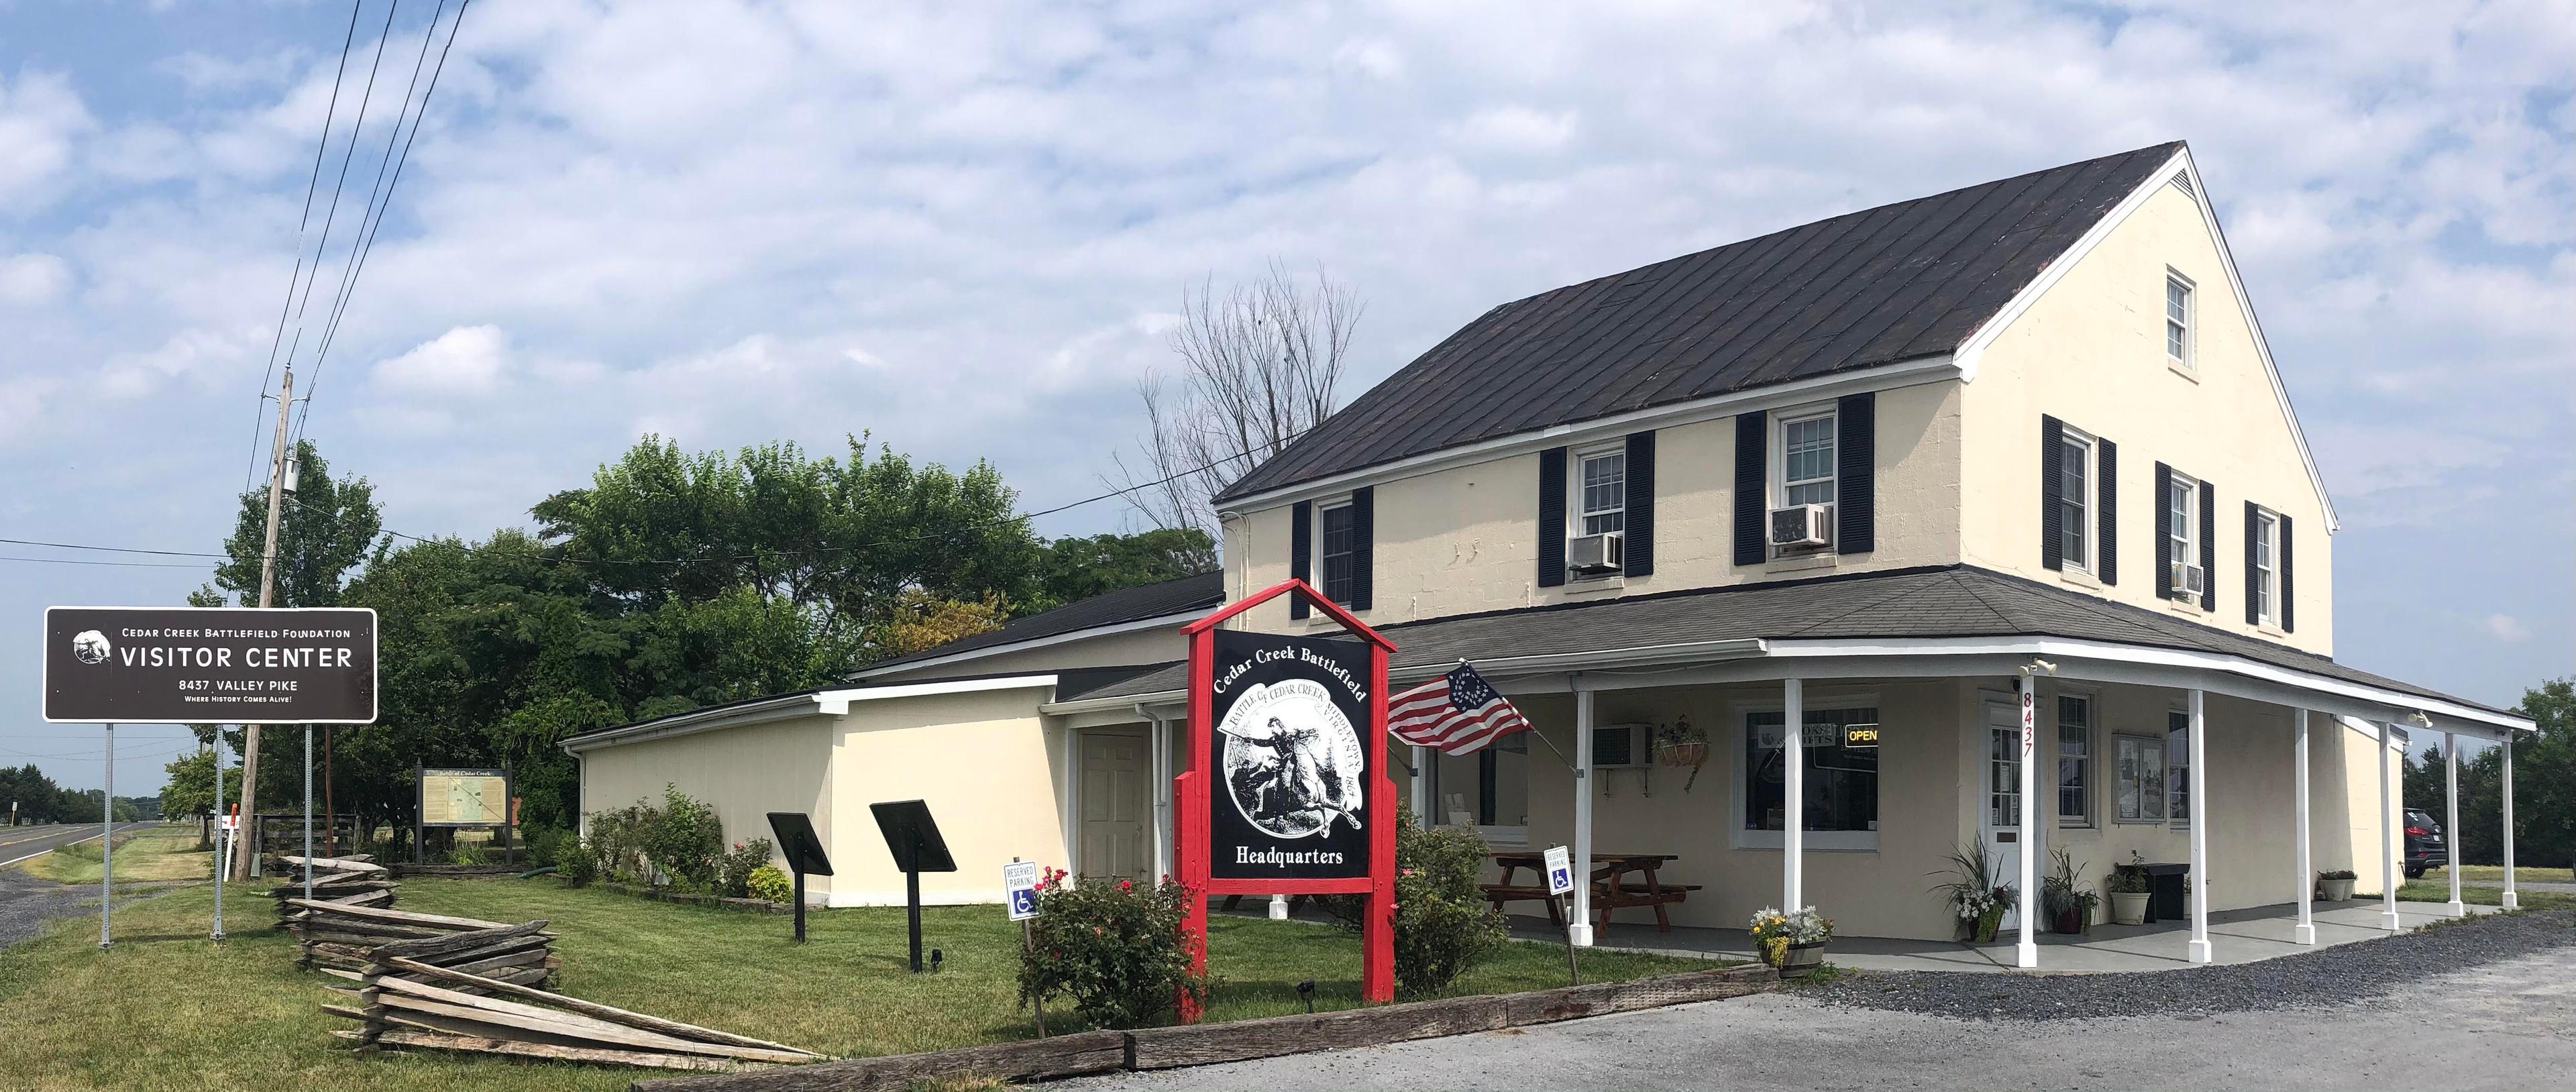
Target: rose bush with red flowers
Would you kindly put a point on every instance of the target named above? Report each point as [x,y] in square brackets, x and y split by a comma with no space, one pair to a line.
[1115,950]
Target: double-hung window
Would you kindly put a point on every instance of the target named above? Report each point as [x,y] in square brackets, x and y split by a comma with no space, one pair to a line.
[2178,767]
[2074,494]
[1602,484]
[2182,518]
[1339,554]
[1807,459]
[2267,567]
[2074,760]
[2178,318]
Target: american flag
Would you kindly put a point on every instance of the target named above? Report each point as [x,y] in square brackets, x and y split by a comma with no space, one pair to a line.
[1457,713]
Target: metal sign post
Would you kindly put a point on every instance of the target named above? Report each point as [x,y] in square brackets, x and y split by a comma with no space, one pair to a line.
[308,812]
[221,832]
[1560,882]
[804,852]
[912,839]
[1020,895]
[107,841]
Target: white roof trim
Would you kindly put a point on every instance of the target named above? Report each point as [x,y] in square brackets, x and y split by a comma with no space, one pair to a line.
[819,703]
[1973,349]
[1903,373]
[1156,622]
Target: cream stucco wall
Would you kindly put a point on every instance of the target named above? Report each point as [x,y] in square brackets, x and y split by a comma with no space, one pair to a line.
[1464,540]
[1162,644]
[989,765]
[744,773]
[2091,352]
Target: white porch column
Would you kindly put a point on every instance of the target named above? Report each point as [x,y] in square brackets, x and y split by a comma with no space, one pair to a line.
[2388,874]
[1160,747]
[2305,932]
[1793,788]
[1579,923]
[1421,793]
[2451,817]
[2026,948]
[2200,820]
[2510,900]
[1072,808]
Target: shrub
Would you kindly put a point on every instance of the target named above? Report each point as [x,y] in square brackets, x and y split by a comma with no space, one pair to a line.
[550,845]
[768,884]
[577,865]
[468,853]
[1443,925]
[1115,949]
[733,870]
[686,841]
[615,844]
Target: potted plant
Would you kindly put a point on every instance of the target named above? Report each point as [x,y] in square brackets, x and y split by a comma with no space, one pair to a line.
[1973,894]
[2335,886]
[1794,941]
[2127,885]
[2070,908]
[1680,745]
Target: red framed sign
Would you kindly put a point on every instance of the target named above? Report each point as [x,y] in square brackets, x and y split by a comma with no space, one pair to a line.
[1286,791]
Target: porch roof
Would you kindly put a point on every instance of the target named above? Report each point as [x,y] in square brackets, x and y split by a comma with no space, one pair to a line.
[1775,618]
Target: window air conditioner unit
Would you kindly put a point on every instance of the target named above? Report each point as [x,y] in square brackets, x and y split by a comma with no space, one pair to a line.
[1595,555]
[1801,525]
[2188,580]
[1616,745]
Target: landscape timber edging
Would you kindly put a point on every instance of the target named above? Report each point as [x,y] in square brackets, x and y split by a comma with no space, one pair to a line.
[690,898]
[1241,1040]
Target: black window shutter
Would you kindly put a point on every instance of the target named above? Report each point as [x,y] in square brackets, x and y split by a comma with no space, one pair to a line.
[1750,494]
[1639,519]
[1301,552]
[1363,546]
[2208,546]
[2282,557]
[1855,479]
[2164,532]
[2106,536]
[1551,517]
[2052,493]
[2253,586]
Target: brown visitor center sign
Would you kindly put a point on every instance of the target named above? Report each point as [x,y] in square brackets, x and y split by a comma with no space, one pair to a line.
[206,665]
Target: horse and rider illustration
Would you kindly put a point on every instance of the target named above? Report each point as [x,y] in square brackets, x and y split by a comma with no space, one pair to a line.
[1294,775]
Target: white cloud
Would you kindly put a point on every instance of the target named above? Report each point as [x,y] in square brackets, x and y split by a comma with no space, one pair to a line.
[2506,628]
[40,117]
[32,280]
[465,361]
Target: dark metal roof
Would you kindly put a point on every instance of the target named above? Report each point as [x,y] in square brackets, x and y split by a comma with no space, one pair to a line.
[1951,601]
[1884,285]
[1205,591]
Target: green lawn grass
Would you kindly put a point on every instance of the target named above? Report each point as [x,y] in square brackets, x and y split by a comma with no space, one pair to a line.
[191,1015]
[147,854]
[2494,874]
[2426,890]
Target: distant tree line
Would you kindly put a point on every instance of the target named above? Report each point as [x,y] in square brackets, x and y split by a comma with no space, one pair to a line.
[39,800]
[673,580]
[2544,788]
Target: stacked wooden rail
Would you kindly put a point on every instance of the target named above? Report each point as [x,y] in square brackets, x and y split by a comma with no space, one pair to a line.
[347,939]
[350,881]
[422,993]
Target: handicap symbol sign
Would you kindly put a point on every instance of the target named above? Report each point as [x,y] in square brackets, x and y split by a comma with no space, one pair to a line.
[1020,881]
[1560,871]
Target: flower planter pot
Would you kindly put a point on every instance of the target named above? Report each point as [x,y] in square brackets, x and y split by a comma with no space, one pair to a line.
[2069,922]
[1681,754]
[2129,908]
[1983,929]
[2336,890]
[1798,959]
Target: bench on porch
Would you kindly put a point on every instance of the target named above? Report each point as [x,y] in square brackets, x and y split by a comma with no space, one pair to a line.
[1610,887]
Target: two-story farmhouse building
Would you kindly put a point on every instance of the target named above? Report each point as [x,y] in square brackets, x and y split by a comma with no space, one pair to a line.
[1885,477]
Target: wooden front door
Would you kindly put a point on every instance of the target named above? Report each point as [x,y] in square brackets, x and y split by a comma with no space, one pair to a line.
[1117,805]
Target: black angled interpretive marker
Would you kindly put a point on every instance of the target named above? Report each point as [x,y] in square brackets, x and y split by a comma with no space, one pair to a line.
[914,841]
[804,852]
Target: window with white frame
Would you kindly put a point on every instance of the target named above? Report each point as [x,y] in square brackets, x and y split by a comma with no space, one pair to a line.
[1840,807]
[2266,577]
[2178,767]
[2074,760]
[1807,459]
[2182,518]
[2074,500]
[1341,543]
[1601,483]
[2138,779]
[2178,319]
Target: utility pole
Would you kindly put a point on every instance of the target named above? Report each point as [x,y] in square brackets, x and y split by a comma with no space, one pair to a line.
[277,457]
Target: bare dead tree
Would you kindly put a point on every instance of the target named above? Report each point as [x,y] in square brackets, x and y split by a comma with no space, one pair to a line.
[1258,369]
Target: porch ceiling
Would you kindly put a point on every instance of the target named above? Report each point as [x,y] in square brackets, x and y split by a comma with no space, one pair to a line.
[1960,614]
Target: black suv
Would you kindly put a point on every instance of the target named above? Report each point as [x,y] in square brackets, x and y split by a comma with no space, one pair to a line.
[2424,848]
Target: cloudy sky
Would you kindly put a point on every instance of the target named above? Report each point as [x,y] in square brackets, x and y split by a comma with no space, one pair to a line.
[964,228]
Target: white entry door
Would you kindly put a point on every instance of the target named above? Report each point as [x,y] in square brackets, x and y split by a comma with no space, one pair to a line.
[1116,805]
[2005,834]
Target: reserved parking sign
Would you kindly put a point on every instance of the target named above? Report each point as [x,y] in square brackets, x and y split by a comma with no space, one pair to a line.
[1020,882]
[1560,870]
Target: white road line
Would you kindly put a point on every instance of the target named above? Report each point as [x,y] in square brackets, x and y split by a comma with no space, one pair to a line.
[66,845]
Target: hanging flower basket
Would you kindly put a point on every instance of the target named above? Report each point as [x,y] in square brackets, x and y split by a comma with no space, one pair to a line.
[1682,747]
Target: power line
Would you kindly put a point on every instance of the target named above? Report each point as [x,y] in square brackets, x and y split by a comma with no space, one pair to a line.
[369,227]
[118,564]
[311,182]
[110,549]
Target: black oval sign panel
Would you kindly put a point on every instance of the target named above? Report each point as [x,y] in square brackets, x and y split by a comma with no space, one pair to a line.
[210,665]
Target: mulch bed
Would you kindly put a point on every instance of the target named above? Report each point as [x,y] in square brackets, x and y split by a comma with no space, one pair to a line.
[2328,976]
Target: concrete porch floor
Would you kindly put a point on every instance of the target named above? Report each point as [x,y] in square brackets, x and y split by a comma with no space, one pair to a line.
[2235,936]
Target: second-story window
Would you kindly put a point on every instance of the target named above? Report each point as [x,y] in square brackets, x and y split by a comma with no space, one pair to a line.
[1807,459]
[2182,506]
[2178,316]
[1339,549]
[1603,489]
[2075,489]
[2265,578]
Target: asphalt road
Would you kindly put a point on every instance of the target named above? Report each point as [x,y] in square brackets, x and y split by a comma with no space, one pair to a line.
[27,902]
[2504,1025]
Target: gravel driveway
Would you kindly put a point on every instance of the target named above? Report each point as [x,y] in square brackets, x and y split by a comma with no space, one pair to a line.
[2490,1012]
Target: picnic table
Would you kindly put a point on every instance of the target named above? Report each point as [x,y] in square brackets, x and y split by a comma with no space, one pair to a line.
[1618,879]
